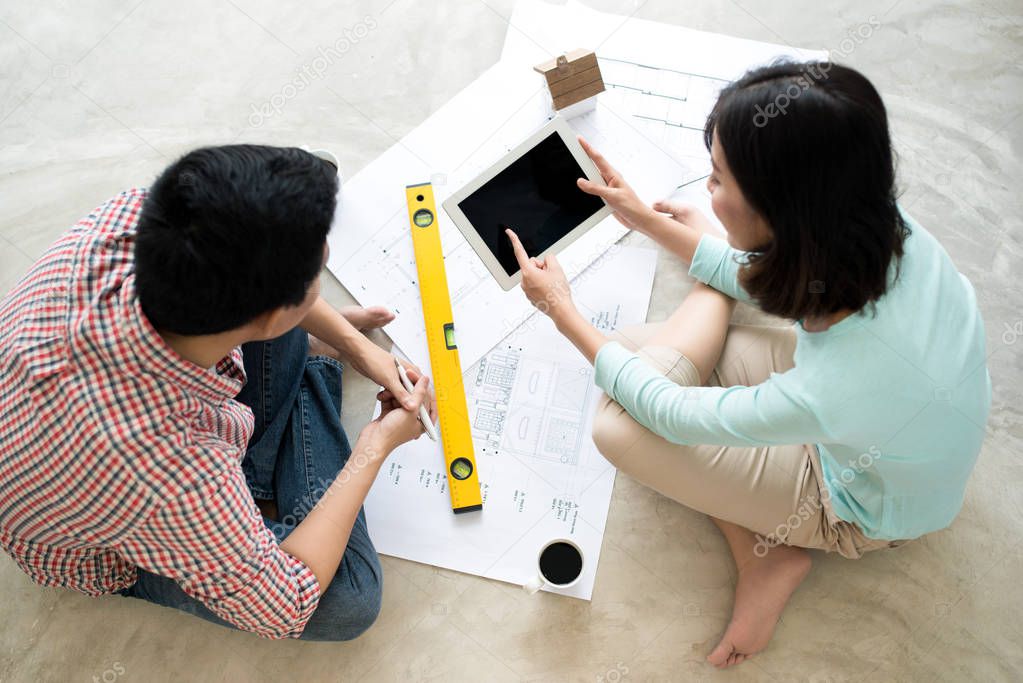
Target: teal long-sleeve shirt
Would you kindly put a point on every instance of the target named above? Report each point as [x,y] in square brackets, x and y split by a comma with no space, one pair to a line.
[895,401]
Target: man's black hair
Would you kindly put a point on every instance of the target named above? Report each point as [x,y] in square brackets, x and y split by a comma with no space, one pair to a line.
[229,233]
[808,144]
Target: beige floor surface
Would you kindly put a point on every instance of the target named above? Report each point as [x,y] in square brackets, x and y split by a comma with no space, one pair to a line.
[98,96]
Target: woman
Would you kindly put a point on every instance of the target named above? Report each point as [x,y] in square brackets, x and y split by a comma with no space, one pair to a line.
[854,429]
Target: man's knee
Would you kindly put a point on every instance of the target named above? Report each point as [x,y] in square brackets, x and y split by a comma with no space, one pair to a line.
[363,611]
[346,610]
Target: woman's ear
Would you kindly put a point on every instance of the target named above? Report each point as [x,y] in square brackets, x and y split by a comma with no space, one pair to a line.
[762,231]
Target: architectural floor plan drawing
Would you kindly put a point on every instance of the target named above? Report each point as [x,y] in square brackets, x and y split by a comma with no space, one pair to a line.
[529,405]
[531,401]
[667,105]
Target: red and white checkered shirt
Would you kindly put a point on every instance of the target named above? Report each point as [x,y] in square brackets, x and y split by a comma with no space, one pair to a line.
[116,453]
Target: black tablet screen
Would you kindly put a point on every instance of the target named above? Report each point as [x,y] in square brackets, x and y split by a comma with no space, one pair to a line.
[536,197]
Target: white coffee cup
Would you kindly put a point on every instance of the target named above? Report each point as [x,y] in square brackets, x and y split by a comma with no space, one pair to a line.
[559,564]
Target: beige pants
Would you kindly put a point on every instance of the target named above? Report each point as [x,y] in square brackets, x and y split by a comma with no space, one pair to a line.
[774,491]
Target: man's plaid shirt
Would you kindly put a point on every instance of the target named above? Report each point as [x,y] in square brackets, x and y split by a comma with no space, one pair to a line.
[116,453]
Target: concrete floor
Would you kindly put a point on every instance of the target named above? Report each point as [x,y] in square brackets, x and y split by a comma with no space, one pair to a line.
[99,96]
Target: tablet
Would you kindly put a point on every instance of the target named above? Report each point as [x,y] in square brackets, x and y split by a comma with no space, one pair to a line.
[533,191]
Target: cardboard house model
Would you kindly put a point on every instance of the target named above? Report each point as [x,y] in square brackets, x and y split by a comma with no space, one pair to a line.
[573,80]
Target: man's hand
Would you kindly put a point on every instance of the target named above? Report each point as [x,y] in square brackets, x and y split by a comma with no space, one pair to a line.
[327,324]
[373,362]
[397,424]
[543,282]
[627,206]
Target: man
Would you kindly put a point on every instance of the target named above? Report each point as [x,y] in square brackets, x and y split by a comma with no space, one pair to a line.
[135,434]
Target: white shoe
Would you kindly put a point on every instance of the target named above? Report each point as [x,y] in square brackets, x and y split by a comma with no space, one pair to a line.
[331,159]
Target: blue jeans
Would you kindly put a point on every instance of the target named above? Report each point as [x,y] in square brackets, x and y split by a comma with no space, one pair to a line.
[296,450]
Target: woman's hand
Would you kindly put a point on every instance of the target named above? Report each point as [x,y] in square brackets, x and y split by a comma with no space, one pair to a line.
[687,214]
[546,287]
[627,206]
[397,424]
[373,362]
[681,230]
[543,282]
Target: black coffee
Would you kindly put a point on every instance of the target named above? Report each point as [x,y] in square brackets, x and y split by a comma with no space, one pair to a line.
[561,563]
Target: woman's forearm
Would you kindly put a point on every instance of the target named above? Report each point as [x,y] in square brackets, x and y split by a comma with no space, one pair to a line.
[583,335]
[678,238]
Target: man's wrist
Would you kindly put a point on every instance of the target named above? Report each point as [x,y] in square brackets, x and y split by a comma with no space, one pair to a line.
[375,446]
[366,458]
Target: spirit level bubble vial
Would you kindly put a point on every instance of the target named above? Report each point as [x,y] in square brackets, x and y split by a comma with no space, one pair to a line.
[453,415]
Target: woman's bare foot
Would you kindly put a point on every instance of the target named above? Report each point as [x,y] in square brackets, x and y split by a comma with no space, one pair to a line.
[761,593]
[368,318]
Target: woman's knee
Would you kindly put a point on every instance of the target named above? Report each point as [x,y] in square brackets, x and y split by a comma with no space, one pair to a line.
[614,431]
[753,352]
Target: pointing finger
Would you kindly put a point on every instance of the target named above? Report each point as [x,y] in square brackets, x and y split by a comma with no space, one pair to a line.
[520,251]
[598,160]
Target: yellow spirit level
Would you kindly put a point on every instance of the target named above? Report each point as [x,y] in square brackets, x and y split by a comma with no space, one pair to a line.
[459,456]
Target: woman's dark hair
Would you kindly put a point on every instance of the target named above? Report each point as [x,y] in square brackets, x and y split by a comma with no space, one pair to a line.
[228,233]
[809,147]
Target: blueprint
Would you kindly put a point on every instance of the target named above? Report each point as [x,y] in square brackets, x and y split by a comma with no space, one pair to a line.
[530,395]
[661,82]
[531,401]
[664,78]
